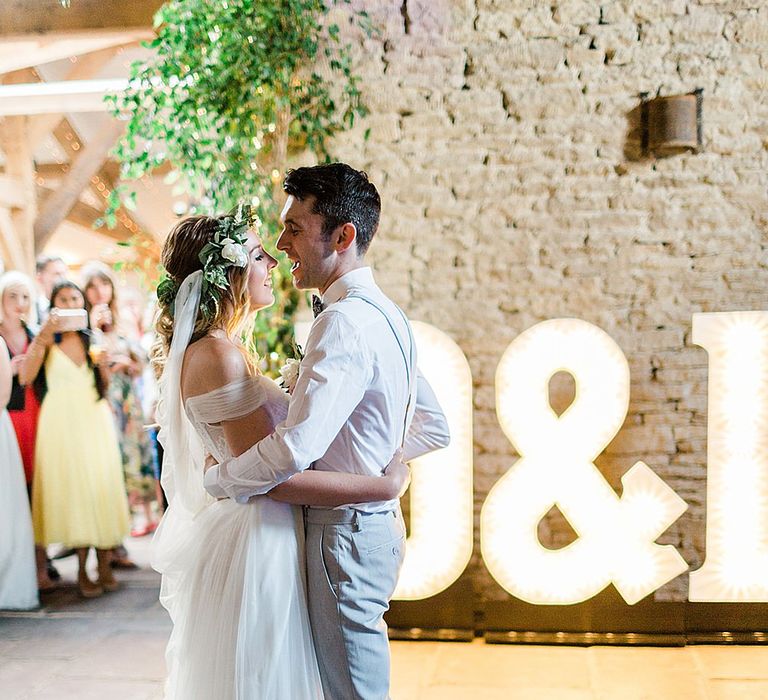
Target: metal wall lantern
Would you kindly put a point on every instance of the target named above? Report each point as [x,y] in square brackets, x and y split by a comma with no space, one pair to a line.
[672,124]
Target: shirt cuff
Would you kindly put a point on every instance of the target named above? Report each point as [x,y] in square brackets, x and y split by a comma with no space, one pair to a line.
[211,483]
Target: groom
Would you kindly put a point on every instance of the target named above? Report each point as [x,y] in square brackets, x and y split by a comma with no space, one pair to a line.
[358,398]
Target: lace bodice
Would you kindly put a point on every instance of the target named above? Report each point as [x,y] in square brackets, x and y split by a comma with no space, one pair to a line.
[231,401]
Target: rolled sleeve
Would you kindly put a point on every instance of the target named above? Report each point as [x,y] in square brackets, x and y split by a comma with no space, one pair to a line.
[429,428]
[211,483]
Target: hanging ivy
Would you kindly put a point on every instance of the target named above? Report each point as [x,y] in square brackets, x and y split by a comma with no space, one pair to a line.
[233,88]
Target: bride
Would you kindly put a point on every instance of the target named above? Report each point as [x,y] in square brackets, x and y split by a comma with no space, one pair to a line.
[233,575]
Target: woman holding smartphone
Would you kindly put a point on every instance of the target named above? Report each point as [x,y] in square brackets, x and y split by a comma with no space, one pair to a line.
[78,494]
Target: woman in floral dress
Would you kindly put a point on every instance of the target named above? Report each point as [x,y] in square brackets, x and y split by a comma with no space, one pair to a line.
[126,361]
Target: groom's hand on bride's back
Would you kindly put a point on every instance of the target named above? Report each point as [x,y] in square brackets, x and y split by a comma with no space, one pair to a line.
[399,473]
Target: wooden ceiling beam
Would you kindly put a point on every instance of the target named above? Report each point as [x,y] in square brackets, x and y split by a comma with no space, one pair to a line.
[12,192]
[55,171]
[30,50]
[86,216]
[101,184]
[59,97]
[52,171]
[70,141]
[83,68]
[110,175]
[87,164]
[12,250]
[19,167]
[107,172]
[43,16]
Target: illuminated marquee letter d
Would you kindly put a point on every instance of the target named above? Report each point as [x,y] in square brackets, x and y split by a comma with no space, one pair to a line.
[440,538]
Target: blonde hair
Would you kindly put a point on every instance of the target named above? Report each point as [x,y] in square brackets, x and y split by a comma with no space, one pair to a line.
[14,279]
[180,258]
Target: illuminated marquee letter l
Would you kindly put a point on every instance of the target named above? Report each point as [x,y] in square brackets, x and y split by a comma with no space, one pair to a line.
[736,565]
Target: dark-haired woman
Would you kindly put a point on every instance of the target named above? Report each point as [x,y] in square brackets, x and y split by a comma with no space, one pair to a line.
[78,494]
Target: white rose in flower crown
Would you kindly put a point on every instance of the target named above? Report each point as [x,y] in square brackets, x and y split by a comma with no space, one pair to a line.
[289,374]
[234,252]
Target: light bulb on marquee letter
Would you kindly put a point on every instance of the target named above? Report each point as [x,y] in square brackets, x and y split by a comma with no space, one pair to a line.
[736,565]
[616,536]
[440,542]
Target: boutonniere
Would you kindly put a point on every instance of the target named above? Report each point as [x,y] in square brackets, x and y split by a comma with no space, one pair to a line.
[289,372]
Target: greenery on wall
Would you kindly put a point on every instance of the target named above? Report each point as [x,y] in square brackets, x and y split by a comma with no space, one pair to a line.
[232,89]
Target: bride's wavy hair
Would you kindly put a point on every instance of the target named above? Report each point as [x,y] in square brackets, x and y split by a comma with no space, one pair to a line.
[180,258]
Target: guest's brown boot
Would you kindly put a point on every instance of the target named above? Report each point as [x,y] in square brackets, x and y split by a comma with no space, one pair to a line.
[107,579]
[87,588]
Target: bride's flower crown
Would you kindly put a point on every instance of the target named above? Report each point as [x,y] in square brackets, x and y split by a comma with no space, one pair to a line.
[226,249]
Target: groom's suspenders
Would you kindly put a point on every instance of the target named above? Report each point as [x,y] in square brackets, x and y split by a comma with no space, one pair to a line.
[409,358]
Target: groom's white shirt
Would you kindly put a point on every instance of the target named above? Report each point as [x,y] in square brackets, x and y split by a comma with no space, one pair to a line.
[347,411]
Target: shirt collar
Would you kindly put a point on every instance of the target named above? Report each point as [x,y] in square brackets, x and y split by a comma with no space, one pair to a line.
[360,278]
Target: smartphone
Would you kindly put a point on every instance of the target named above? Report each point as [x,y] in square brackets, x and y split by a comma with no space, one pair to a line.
[70,319]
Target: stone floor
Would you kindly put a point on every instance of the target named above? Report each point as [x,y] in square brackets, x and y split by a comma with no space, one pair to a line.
[112,647]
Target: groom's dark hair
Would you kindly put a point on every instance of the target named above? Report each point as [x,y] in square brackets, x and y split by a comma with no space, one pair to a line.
[342,195]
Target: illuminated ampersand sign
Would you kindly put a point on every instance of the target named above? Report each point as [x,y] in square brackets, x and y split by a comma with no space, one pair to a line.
[616,536]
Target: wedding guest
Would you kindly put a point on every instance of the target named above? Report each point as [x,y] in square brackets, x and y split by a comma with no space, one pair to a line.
[149,397]
[132,315]
[78,493]
[127,361]
[49,269]
[18,585]
[16,304]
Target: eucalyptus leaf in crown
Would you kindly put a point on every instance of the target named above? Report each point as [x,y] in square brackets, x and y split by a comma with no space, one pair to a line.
[166,291]
[227,249]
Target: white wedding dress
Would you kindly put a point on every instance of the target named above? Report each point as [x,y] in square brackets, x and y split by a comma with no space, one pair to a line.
[233,575]
[18,579]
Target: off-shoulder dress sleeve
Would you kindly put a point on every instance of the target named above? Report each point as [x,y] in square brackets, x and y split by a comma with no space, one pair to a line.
[229,402]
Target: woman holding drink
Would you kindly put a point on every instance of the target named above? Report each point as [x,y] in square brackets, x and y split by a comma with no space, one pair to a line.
[127,362]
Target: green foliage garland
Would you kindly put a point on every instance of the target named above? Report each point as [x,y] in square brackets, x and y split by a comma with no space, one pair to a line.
[233,87]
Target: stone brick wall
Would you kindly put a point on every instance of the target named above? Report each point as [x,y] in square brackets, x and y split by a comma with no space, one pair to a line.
[501,137]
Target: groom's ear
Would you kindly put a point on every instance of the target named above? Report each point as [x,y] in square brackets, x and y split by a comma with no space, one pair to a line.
[344,237]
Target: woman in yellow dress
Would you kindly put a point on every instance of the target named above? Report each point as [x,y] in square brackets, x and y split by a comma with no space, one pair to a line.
[78,492]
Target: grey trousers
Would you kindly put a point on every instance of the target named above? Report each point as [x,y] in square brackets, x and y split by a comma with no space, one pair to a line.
[353,561]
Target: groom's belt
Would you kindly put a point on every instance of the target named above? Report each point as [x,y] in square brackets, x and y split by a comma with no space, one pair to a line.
[338,516]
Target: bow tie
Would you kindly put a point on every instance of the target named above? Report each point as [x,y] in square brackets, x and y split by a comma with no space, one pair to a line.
[317,305]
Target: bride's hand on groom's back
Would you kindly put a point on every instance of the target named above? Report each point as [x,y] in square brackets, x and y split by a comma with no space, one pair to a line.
[210,461]
[398,473]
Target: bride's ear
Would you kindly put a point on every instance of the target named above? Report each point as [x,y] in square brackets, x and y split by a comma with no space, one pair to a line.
[344,237]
